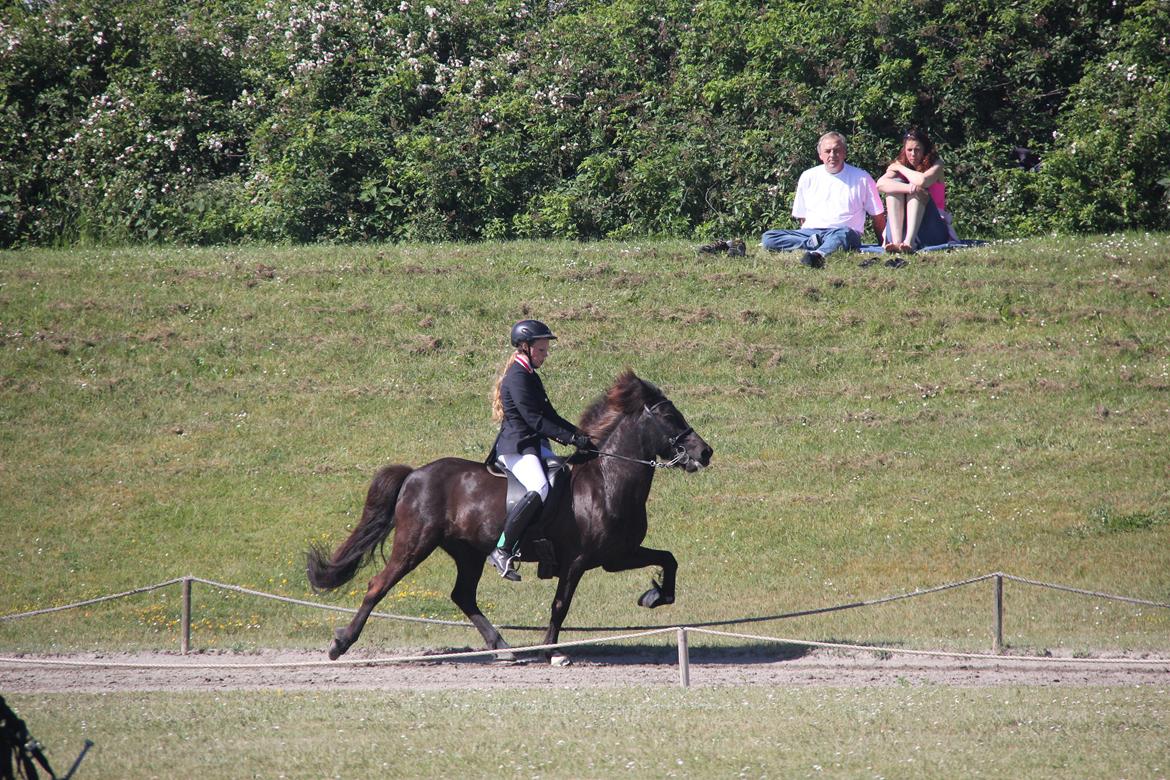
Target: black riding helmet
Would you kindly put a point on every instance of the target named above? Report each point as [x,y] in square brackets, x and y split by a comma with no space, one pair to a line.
[527,331]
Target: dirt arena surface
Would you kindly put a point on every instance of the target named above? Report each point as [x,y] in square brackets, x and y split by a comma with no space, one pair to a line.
[592,667]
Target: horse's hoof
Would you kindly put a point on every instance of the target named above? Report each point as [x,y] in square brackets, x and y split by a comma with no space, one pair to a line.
[654,597]
[505,658]
[560,659]
[338,646]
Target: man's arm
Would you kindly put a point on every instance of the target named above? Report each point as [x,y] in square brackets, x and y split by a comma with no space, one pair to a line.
[799,209]
[874,207]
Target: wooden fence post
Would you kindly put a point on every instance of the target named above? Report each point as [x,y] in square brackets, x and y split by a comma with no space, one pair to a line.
[185,628]
[684,659]
[997,640]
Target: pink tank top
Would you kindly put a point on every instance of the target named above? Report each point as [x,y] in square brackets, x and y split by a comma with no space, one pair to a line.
[938,193]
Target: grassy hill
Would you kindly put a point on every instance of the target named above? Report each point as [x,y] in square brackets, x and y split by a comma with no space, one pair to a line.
[214,411]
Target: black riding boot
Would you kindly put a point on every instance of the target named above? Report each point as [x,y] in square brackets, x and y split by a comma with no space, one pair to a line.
[517,522]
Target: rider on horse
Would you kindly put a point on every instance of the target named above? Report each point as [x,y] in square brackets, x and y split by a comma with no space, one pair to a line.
[527,421]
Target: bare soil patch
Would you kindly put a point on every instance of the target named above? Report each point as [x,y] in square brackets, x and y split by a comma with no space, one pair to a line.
[593,667]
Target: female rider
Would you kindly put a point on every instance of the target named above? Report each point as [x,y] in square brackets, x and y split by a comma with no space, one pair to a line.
[527,421]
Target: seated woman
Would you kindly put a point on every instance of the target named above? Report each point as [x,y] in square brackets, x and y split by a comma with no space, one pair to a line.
[915,196]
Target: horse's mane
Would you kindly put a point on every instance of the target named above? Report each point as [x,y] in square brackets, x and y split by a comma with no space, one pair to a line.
[627,395]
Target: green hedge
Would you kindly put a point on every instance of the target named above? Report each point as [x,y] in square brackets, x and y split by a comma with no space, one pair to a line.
[291,120]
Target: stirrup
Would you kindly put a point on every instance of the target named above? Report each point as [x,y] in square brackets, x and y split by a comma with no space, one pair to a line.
[506,564]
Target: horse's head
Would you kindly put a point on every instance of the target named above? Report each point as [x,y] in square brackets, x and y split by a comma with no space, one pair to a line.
[669,434]
[685,448]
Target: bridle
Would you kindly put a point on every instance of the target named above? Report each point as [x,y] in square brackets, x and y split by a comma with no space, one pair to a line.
[673,441]
[680,456]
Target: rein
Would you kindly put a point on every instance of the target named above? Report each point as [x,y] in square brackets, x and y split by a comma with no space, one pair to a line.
[680,454]
[676,460]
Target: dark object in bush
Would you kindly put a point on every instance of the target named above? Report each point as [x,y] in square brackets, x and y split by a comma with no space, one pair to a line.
[1027,159]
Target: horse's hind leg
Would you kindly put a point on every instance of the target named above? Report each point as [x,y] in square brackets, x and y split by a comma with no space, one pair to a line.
[379,585]
[660,594]
[405,556]
[469,570]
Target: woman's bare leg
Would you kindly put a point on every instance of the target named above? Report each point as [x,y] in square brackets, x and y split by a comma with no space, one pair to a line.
[915,211]
[896,218]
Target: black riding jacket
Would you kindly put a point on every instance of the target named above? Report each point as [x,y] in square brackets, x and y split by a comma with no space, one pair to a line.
[529,417]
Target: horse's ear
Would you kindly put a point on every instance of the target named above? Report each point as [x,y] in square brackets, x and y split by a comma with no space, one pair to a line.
[627,393]
[641,392]
[651,393]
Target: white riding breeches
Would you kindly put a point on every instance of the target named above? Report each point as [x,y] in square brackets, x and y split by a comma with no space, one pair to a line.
[530,471]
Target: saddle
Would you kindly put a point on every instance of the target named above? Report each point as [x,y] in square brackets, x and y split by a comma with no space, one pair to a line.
[558,477]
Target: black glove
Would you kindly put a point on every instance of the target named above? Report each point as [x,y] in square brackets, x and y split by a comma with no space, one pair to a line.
[581,441]
[582,456]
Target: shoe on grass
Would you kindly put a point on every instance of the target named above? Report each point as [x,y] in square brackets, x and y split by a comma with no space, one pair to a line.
[813,260]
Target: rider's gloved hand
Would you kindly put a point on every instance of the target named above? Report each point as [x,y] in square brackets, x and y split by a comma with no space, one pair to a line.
[582,442]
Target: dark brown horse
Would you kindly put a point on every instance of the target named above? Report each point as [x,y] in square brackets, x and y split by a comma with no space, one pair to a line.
[458,505]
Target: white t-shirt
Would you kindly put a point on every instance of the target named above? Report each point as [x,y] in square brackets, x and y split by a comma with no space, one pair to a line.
[833,200]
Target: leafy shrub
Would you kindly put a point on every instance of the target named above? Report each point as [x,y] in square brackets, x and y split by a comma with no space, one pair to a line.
[1110,166]
[305,120]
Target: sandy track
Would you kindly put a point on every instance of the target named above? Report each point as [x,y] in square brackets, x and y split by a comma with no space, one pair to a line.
[596,667]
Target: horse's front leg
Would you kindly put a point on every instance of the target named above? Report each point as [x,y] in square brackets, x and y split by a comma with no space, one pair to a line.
[660,593]
[567,582]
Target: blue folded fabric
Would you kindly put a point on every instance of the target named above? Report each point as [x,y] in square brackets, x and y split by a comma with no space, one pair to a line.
[878,248]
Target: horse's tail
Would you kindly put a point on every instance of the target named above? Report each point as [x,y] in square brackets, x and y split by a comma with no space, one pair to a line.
[327,572]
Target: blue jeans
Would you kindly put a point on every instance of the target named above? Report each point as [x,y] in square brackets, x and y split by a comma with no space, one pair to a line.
[823,241]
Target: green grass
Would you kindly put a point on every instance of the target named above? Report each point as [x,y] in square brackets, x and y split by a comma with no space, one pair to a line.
[902,732]
[215,411]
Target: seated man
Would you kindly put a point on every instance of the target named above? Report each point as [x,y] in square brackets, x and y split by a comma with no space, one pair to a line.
[831,203]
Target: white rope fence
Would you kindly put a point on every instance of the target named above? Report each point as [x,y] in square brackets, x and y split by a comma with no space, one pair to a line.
[223,586]
[638,632]
[462,655]
[1157,664]
[784,615]
[88,602]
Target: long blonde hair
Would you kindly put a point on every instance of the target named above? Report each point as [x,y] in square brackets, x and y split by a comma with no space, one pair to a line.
[497,404]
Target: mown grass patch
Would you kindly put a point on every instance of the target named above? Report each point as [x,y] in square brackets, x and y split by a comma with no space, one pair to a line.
[896,731]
